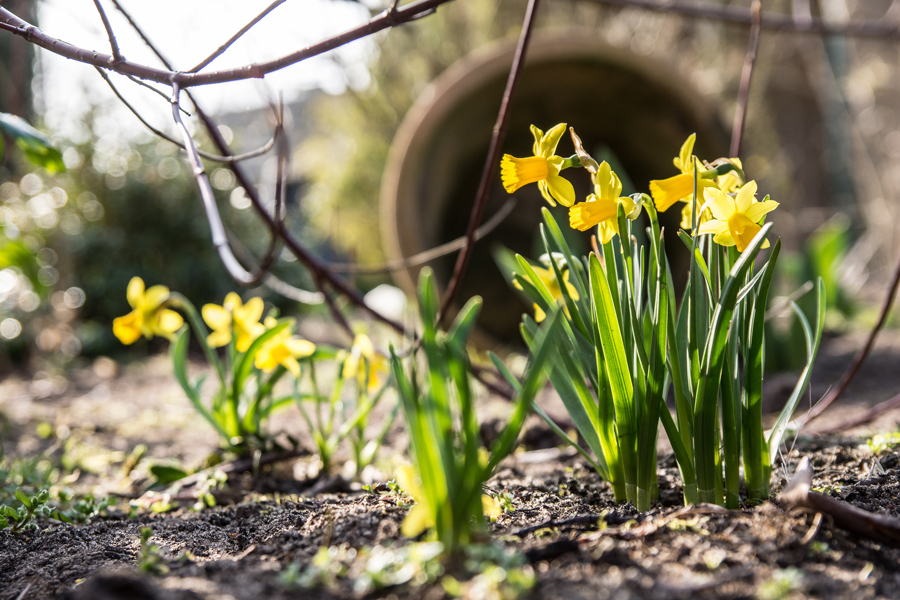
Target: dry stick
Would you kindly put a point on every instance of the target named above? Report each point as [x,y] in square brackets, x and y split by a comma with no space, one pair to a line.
[490,165]
[740,113]
[213,157]
[743,16]
[218,52]
[388,18]
[851,372]
[866,417]
[427,255]
[271,281]
[117,55]
[880,528]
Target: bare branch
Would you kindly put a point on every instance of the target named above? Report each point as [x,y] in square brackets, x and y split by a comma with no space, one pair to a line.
[743,16]
[219,239]
[218,52]
[493,158]
[740,113]
[117,55]
[388,18]
[427,255]
[853,369]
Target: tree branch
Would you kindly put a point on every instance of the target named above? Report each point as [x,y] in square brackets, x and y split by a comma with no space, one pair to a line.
[236,36]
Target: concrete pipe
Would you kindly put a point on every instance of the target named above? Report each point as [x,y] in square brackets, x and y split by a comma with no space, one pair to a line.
[628,107]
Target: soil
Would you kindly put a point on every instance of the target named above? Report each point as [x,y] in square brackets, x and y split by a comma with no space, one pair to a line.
[241,548]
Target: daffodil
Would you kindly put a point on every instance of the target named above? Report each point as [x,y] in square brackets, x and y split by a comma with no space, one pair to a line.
[667,192]
[601,207]
[282,349]
[736,220]
[150,316]
[363,359]
[234,318]
[548,278]
[543,168]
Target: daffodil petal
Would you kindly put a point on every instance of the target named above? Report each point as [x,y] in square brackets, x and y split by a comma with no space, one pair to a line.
[745,196]
[218,338]
[667,192]
[417,520]
[713,226]
[216,317]
[722,206]
[551,139]
[724,238]
[253,310]
[127,328]
[491,507]
[539,314]
[684,155]
[300,348]
[538,136]
[168,322]
[155,296]
[135,291]
[561,190]
[545,192]
[760,209]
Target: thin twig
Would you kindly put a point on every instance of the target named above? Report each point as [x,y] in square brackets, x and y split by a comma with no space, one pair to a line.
[426,255]
[388,18]
[493,158]
[777,22]
[273,282]
[851,372]
[113,43]
[143,83]
[740,113]
[213,157]
[218,52]
[863,418]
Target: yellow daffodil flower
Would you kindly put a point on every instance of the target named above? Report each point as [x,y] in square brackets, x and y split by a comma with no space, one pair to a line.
[282,349]
[234,315]
[728,183]
[667,192]
[543,168]
[548,278]
[362,357]
[149,317]
[736,220]
[601,207]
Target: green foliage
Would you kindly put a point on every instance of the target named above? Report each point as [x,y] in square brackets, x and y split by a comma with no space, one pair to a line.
[487,571]
[30,507]
[450,465]
[335,418]
[34,144]
[882,442]
[625,344]
[610,365]
[149,559]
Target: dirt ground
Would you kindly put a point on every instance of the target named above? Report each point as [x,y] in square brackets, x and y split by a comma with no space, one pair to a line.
[242,548]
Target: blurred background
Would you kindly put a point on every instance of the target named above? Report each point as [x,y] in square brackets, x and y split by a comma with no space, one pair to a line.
[395,128]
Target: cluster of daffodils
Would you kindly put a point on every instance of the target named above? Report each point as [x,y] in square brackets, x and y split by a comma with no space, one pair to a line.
[234,320]
[729,209]
[240,321]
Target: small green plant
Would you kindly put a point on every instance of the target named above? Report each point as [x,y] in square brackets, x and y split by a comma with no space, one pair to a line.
[149,559]
[450,465]
[257,355]
[627,340]
[485,571]
[782,584]
[335,419]
[882,442]
[30,507]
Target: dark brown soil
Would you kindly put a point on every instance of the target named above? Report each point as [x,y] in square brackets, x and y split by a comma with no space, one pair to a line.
[239,551]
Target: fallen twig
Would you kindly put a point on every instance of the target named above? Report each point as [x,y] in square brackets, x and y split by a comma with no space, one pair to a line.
[879,528]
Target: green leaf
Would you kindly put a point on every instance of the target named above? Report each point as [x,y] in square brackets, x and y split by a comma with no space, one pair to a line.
[166,474]
[36,146]
[812,348]
[23,498]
